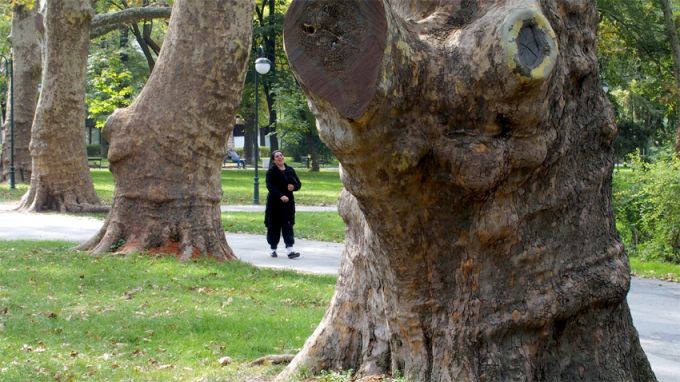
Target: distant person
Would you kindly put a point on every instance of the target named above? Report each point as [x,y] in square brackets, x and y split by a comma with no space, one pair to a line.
[279,215]
[233,155]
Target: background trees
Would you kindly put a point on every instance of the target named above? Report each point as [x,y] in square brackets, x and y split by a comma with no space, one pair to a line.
[637,63]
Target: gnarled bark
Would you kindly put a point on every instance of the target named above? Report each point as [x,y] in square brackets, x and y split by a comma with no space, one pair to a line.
[61,179]
[27,67]
[166,148]
[476,151]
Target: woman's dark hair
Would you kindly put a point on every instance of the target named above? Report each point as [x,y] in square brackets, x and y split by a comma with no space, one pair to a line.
[271,158]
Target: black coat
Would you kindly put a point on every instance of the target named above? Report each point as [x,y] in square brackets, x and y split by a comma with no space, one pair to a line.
[278,212]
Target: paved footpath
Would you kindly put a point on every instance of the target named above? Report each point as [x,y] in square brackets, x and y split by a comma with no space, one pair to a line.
[655,305]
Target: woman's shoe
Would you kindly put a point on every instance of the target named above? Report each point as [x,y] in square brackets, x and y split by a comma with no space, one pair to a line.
[274,254]
[293,255]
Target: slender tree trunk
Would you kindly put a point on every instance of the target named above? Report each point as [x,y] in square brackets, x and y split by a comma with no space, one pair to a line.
[27,63]
[167,147]
[61,179]
[671,31]
[476,147]
[145,47]
[313,155]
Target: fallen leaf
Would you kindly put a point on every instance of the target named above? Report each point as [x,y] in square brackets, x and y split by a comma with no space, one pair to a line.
[224,361]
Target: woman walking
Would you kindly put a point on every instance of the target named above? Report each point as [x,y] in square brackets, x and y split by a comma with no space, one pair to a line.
[279,216]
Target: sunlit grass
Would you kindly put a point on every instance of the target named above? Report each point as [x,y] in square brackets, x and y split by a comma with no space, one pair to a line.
[324,226]
[318,188]
[69,316]
[655,269]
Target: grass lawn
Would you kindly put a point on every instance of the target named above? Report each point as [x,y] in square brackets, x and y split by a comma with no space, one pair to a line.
[324,226]
[318,188]
[68,316]
[655,269]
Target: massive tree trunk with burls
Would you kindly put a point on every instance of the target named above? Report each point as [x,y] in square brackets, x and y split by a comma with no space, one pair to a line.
[61,179]
[27,66]
[475,143]
[167,147]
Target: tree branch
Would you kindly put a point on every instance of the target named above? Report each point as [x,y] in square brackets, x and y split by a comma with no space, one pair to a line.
[105,23]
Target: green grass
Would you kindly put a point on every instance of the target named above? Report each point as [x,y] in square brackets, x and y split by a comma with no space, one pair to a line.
[68,316]
[324,226]
[655,269]
[8,194]
[318,188]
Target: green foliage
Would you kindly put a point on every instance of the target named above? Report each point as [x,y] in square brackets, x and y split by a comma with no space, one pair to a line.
[68,316]
[636,62]
[94,150]
[110,87]
[648,208]
[265,152]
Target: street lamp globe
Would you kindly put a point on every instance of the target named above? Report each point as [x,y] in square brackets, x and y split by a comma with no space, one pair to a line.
[262,65]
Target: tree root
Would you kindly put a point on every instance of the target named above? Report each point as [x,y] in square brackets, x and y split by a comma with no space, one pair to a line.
[124,235]
[272,358]
[40,198]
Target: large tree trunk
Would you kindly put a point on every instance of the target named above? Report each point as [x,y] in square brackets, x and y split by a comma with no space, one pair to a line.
[476,150]
[27,64]
[167,147]
[61,179]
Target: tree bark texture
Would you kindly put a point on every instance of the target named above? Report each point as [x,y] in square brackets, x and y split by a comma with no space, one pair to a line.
[61,179]
[476,152]
[27,67]
[166,148]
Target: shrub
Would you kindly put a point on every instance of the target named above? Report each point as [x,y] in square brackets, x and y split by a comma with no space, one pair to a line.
[265,152]
[647,208]
[94,150]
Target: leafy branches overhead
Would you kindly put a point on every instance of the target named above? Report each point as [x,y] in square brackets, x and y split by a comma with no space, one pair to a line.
[637,64]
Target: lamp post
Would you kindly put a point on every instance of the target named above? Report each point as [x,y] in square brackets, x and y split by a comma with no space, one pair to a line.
[10,109]
[262,66]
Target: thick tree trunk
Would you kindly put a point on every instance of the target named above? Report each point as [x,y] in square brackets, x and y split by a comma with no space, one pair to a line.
[476,151]
[27,62]
[61,179]
[167,147]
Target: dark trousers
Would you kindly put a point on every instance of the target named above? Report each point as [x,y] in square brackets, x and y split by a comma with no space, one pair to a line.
[274,231]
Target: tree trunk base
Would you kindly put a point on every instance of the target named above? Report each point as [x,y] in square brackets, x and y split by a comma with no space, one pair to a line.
[136,225]
[41,198]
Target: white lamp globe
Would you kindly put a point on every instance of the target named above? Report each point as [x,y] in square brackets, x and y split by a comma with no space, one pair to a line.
[262,65]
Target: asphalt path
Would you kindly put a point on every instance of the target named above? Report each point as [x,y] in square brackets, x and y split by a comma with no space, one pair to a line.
[655,305]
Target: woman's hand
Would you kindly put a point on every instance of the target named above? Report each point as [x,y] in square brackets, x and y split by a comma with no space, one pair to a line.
[284,199]
[291,187]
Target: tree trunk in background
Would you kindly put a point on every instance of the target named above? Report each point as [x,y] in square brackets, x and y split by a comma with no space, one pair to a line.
[27,60]
[674,42]
[61,179]
[313,155]
[167,147]
[476,148]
